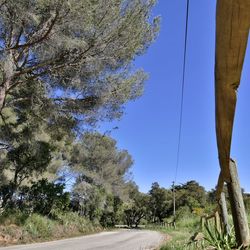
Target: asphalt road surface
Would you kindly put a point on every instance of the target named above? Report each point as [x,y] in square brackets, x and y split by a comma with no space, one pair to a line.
[116,240]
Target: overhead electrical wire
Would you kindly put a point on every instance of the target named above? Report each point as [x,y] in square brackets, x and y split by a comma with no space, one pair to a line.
[182,93]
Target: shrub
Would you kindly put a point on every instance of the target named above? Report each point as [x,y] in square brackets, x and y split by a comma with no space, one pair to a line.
[13,216]
[71,221]
[39,227]
[45,196]
[220,240]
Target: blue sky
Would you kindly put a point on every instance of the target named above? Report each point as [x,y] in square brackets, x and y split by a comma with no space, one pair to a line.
[149,128]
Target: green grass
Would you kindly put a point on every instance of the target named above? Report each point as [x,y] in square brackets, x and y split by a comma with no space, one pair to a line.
[186,227]
[178,238]
[39,227]
[18,227]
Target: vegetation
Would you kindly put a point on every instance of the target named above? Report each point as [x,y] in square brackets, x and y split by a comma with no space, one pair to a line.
[18,227]
[220,240]
[189,235]
[66,66]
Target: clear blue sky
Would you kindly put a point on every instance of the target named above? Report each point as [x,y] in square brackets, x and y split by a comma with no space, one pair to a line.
[149,128]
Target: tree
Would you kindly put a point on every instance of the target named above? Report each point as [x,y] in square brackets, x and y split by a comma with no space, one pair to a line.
[97,160]
[246,197]
[100,170]
[136,209]
[111,211]
[31,120]
[45,196]
[24,161]
[89,200]
[29,158]
[159,203]
[79,50]
[190,194]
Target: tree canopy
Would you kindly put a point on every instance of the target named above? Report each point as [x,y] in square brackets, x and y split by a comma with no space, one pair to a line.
[79,51]
[65,65]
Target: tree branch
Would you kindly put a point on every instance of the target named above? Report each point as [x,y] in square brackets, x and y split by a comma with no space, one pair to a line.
[40,35]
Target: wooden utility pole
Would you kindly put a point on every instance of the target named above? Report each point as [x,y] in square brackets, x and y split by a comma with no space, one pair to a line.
[237,206]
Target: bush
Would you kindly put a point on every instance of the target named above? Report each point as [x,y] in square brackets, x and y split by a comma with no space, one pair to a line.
[72,222]
[20,227]
[13,216]
[45,196]
[183,212]
[220,240]
[107,219]
[39,227]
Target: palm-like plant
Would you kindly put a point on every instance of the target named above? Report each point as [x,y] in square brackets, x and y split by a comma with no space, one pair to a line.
[220,240]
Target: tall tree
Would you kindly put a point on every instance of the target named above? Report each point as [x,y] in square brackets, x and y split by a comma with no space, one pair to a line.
[190,194]
[100,170]
[97,160]
[28,124]
[136,209]
[159,202]
[79,49]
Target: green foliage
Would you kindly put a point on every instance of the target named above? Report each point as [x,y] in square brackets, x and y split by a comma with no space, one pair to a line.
[97,160]
[178,241]
[101,170]
[220,240]
[65,65]
[160,201]
[39,226]
[29,158]
[107,219]
[26,160]
[190,194]
[190,223]
[182,212]
[22,227]
[180,237]
[246,197]
[43,197]
[13,216]
[82,48]
[111,213]
[89,200]
[71,221]
[136,209]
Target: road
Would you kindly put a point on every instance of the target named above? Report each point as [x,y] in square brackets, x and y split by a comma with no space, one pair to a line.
[116,240]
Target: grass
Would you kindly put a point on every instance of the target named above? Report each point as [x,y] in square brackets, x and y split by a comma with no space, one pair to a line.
[17,227]
[179,237]
[178,240]
[186,227]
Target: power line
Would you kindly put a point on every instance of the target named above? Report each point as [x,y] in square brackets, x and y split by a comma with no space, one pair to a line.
[182,93]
